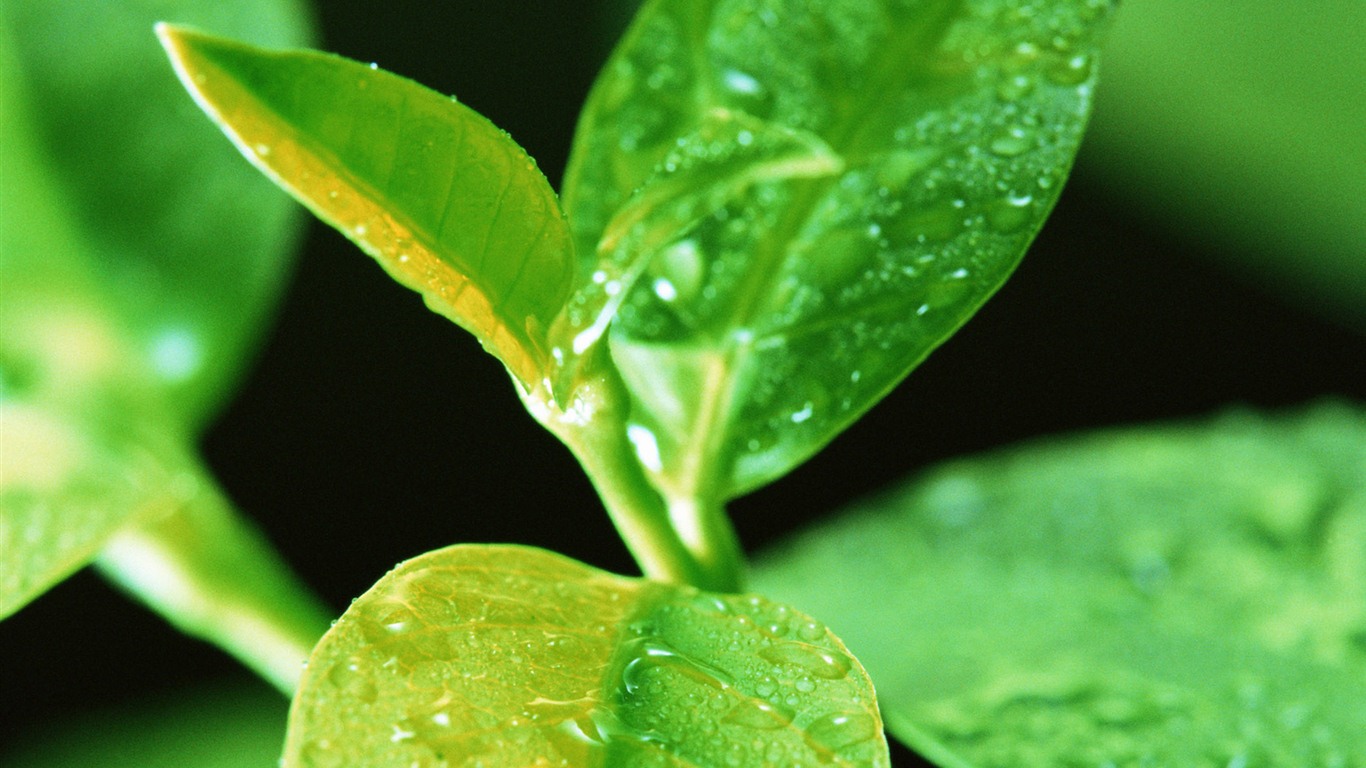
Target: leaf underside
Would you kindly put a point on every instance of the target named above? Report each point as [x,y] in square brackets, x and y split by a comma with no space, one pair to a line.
[510,656]
[785,205]
[447,203]
[1189,595]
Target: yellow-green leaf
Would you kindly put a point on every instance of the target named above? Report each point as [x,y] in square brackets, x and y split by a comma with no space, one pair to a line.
[446,202]
[505,656]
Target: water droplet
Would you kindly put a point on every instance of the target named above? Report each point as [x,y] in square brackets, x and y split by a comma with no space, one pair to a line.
[1072,70]
[811,630]
[759,715]
[176,354]
[664,289]
[1015,87]
[842,730]
[808,409]
[818,661]
[320,754]
[350,681]
[1011,214]
[741,82]
[261,150]
[1011,142]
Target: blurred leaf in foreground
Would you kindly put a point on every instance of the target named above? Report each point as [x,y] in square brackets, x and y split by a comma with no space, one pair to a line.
[1176,595]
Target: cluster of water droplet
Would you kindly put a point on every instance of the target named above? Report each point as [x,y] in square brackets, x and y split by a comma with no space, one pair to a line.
[933,183]
[741,680]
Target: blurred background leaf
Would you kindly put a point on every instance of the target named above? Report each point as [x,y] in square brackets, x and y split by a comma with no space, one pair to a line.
[187,242]
[1169,595]
[239,724]
[1243,126]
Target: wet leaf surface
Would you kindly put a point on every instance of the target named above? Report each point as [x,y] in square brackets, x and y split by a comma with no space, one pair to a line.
[781,207]
[1178,595]
[446,202]
[512,656]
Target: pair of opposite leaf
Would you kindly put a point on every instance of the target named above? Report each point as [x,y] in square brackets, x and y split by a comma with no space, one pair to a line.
[773,211]
[125,227]
[752,246]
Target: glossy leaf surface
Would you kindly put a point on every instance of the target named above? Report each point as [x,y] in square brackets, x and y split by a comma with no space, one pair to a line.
[510,656]
[173,228]
[447,203]
[783,206]
[1179,595]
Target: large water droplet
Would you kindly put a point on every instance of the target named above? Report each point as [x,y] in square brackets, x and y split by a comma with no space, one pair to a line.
[1010,142]
[759,715]
[815,660]
[1070,70]
[843,730]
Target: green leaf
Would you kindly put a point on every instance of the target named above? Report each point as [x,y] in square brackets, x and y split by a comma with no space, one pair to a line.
[1255,150]
[66,487]
[172,227]
[1177,595]
[511,656]
[784,206]
[446,202]
[103,292]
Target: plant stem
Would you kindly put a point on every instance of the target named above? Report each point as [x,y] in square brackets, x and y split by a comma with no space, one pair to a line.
[212,574]
[706,531]
[684,541]
[681,542]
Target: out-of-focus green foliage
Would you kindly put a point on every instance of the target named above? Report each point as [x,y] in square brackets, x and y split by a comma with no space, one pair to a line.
[218,727]
[1180,595]
[1243,125]
[137,260]
[161,215]
[505,656]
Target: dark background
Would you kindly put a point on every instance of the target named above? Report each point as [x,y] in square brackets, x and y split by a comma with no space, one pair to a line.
[371,430]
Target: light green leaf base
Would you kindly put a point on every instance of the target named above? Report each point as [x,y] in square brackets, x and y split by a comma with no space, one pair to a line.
[509,656]
[1168,596]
